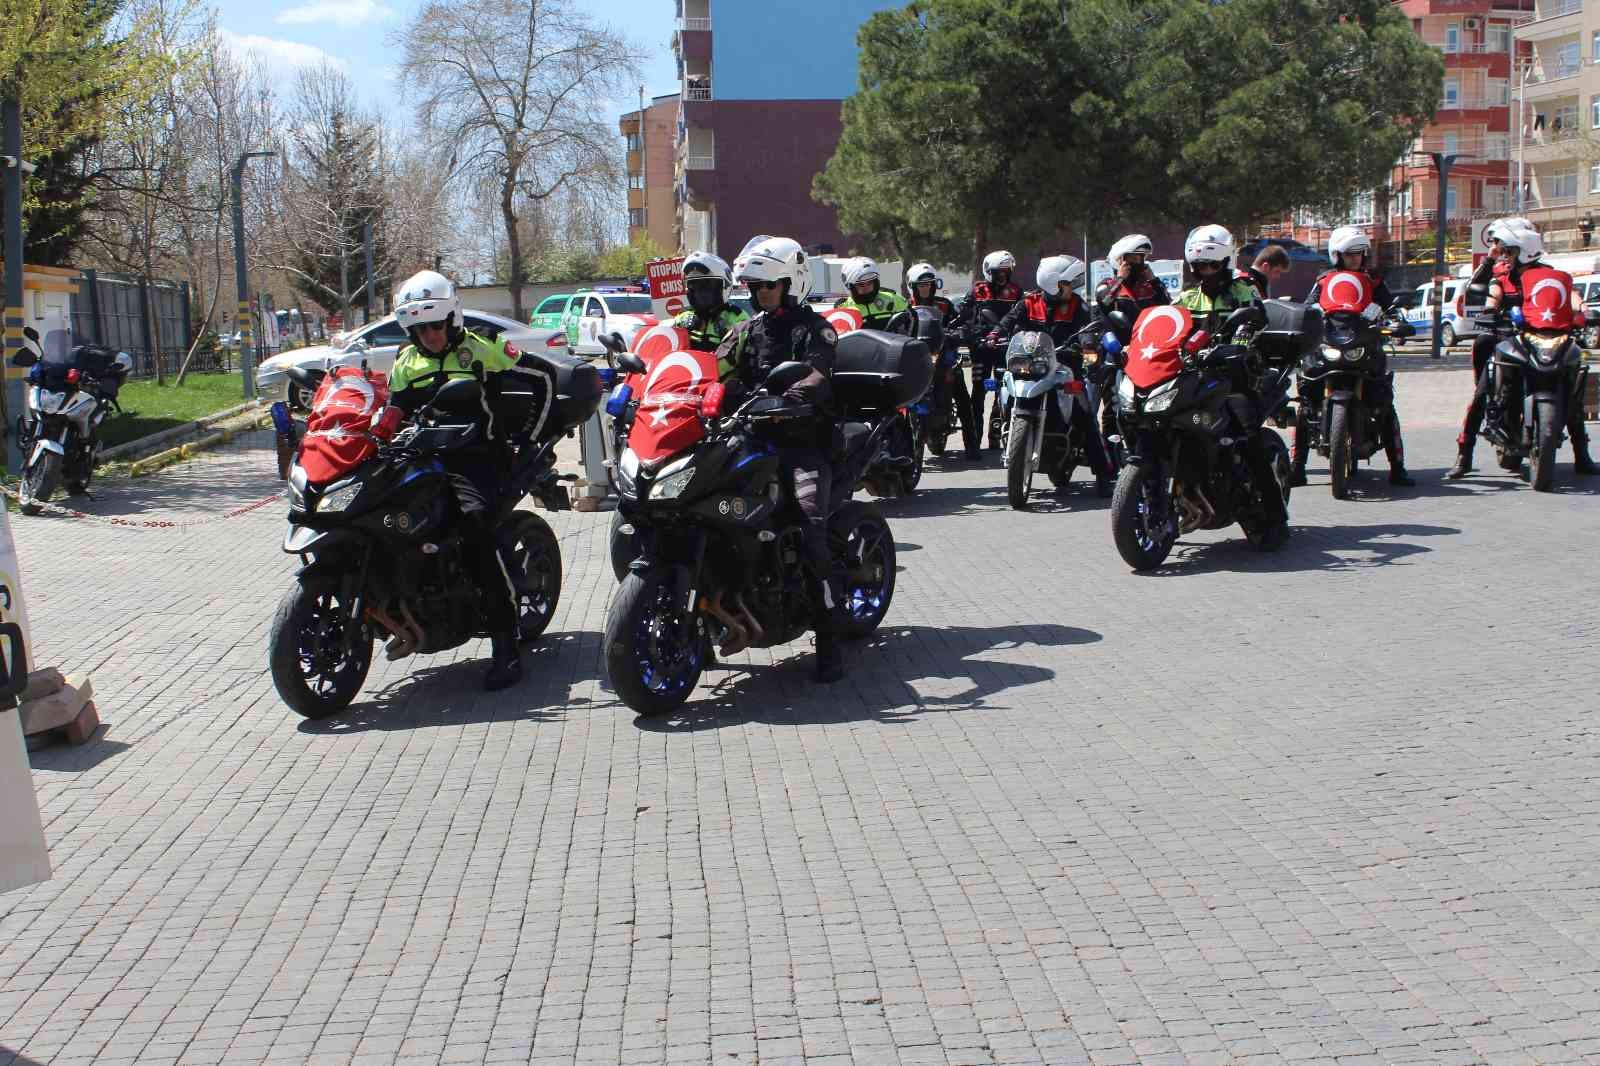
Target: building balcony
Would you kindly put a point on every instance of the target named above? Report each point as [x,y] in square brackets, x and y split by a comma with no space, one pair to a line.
[1556,82]
[690,25]
[699,162]
[692,91]
[1563,18]
[1464,102]
[635,162]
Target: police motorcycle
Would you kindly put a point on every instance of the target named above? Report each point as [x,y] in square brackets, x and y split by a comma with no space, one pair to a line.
[721,560]
[896,469]
[373,519]
[1040,394]
[1535,374]
[70,393]
[1185,417]
[939,416]
[1352,364]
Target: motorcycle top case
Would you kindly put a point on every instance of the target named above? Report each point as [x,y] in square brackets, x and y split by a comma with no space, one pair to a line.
[877,371]
[338,435]
[1292,330]
[578,392]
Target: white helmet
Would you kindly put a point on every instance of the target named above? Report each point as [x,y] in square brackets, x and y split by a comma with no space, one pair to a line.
[775,259]
[1208,244]
[1001,260]
[424,297]
[1056,269]
[921,272]
[860,269]
[704,264]
[1519,233]
[1132,244]
[1347,239]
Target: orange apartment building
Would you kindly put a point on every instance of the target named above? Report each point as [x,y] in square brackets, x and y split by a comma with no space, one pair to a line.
[652,151]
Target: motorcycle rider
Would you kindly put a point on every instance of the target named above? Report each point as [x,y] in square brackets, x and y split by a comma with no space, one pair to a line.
[785,328]
[1350,251]
[706,281]
[1056,308]
[924,283]
[441,349]
[1514,245]
[980,313]
[1216,294]
[1131,288]
[1271,263]
[875,304]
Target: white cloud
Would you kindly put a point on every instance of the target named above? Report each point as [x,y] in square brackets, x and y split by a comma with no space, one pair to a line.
[339,12]
[278,52]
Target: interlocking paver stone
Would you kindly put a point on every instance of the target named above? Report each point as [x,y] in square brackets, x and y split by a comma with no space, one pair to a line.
[1337,804]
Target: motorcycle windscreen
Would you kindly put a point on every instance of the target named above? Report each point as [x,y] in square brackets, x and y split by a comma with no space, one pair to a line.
[1345,290]
[650,345]
[1548,303]
[668,419]
[338,434]
[1155,352]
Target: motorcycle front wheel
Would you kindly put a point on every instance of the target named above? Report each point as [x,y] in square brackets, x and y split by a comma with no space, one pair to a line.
[315,669]
[1341,451]
[1546,438]
[1019,463]
[1144,523]
[40,481]
[624,547]
[654,655]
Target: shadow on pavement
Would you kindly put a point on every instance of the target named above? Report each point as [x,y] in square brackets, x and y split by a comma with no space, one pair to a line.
[879,672]
[1308,548]
[65,758]
[452,695]
[8,1057]
[953,500]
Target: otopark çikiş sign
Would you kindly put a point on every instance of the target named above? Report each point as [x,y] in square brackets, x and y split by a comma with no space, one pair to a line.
[666,287]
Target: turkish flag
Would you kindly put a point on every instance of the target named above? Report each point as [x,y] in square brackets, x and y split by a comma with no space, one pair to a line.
[1155,353]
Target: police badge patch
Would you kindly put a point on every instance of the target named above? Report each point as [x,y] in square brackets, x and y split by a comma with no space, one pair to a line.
[464,357]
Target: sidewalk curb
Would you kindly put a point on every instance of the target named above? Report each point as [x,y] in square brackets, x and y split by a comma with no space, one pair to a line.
[154,442]
[222,435]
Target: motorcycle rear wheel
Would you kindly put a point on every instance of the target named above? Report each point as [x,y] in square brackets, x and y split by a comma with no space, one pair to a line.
[864,551]
[39,482]
[1143,521]
[312,669]
[533,555]
[652,665]
[1546,438]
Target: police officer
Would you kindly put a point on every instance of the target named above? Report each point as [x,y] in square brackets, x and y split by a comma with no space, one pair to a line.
[429,308]
[924,283]
[980,316]
[872,301]
[706,281]
[1056,308]
[1271,263]
[1350,251]
[786,329]
[1131,288]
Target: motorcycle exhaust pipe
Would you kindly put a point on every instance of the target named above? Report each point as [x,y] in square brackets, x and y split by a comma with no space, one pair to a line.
[737,639]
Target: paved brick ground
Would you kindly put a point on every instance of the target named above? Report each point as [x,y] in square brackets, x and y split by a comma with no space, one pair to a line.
[1333,804]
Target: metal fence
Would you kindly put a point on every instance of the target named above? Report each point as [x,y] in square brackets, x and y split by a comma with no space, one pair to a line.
[110,309]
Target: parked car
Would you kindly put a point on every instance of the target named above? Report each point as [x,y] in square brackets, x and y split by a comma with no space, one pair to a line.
[379,342]
[1588,286]
[1456,321]
[592,313]
[548,314]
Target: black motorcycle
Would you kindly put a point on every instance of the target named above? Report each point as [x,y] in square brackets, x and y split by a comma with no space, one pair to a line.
[1352,364]
[381,548]
[938,407]
[1185,412]
[1534,377]
[58,433]
[896,469]
[721,542]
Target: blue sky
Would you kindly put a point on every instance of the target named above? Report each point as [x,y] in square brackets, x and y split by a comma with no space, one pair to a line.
[354,34]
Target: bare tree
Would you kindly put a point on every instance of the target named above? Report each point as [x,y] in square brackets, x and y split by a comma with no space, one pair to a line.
[522,86]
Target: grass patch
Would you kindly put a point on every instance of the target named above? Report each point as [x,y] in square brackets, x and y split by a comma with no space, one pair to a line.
[148,408]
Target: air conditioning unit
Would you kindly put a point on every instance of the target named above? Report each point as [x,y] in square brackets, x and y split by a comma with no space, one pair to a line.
[1474,24]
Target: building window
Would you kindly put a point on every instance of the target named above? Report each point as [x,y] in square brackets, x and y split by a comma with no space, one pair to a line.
[1498,200]
[1566,121]
[1564,185]
[1450,201]
[1452,143]
[635,142]
[1499,37]
[1568,58]
[1452,92]
[635,181]
[1452,37]
[1594,177]
[636,217]
[1594,112]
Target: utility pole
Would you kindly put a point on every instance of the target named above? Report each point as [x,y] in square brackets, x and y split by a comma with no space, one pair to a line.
[1441,162]
[11,120]
[366,240]
[241,280]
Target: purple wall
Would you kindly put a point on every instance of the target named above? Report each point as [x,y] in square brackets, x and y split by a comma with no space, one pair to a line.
[767,154]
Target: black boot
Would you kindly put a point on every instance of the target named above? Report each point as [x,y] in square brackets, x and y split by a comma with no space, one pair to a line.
[1104,486]
[1463,464]
[830,659]
[1297,472]
[1398,476]
[505,664]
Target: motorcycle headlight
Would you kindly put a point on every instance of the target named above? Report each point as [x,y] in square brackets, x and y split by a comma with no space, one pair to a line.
[672,486]
[627,473]
[51,402]
[1125,392]
[1160,401]
[1332,354]
[1017,366]
[1039,368]
[339,498]
[1545,349]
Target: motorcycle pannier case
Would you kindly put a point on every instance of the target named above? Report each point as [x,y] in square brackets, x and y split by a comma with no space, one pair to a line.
[1292,330]
[578,393]
[877,371]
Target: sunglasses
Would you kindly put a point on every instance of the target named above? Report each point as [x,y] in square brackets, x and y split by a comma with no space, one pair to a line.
[431,327]
[1205,264]
[756,283]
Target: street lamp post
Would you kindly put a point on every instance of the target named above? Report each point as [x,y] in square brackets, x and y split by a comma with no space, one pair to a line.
[246,322]
[1441,163]
[1522,92]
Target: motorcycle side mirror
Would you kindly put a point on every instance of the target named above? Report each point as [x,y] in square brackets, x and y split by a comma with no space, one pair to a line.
[1112,347]
[1252,316]
[782,376]
[613,342]
[31,333]
[1120,324]
[300,376]
[459,396]
[903,322]
[631,363]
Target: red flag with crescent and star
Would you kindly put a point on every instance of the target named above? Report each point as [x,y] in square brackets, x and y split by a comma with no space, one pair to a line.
[1156,351]
[1548,303]
[1345,290]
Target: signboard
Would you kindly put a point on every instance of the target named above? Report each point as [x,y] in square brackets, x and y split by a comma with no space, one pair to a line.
[1480,235]
[666,287]
[23,858]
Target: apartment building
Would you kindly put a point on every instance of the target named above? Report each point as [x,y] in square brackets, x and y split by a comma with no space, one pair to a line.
[652,153]
[1559,152]
[762,86]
